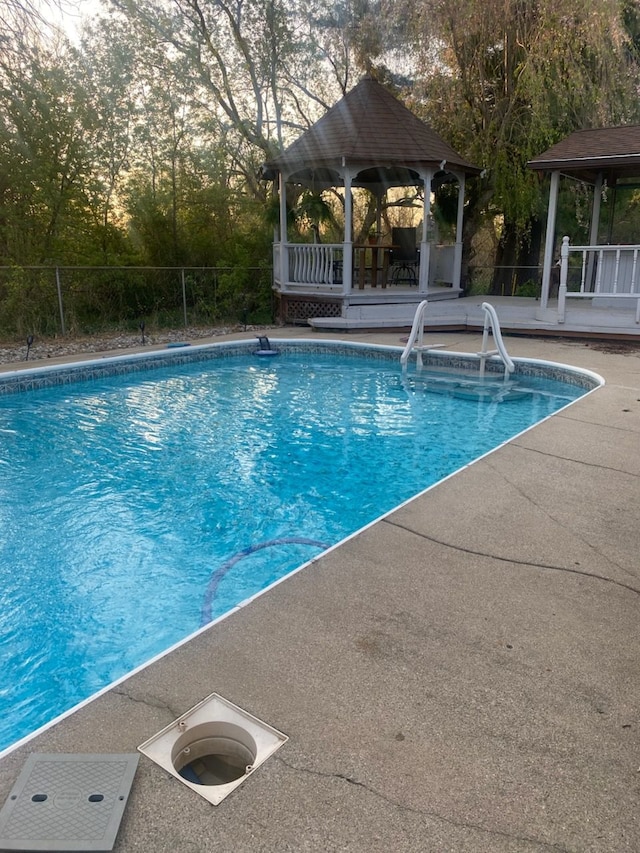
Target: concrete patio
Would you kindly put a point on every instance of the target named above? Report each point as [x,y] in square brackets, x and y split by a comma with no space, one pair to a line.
[460,676]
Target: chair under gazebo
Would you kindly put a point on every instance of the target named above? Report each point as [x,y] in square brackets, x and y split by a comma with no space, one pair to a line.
[368,140]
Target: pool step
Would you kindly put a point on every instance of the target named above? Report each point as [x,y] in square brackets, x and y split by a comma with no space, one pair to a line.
[473,388]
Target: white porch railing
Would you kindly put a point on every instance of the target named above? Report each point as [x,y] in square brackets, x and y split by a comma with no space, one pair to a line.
[315,264]
[604,271]
[321,267]
[308,263]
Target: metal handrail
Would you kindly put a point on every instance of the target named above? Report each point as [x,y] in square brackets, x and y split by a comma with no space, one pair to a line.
[417,330]
[491,320]
[415,340]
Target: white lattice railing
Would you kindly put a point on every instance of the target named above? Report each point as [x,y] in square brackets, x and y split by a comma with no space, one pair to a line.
[319,265]
[607,271]
[315,263]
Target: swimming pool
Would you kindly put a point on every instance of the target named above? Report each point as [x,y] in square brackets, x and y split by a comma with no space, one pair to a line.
[141,497]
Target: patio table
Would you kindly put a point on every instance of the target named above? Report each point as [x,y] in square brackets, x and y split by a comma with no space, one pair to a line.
[379,251]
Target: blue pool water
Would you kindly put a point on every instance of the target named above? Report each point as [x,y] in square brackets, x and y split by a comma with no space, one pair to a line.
[121,497]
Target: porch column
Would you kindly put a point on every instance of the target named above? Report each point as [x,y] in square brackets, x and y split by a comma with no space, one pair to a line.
[347,251]
[425,245]
[284,257]
[379,197]
[595,210]
[595,226]
[549,239]
[457,251]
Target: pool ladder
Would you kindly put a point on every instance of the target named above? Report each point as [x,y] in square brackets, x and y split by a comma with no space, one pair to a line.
[415,342]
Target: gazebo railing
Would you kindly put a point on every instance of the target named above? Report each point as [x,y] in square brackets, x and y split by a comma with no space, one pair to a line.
[605,271]
[320,268]
[315,263]
[319,264]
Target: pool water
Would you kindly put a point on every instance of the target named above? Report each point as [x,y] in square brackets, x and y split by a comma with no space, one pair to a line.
[121,498]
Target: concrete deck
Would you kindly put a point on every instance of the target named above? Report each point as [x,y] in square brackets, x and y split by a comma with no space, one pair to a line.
[461,676]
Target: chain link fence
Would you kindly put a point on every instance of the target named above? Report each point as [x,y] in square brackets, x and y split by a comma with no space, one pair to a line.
[53,301]
[504,280]
[50,302]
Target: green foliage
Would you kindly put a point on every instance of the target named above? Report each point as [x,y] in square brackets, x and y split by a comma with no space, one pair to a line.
[142,144]
[573,217]
[509,79]
[479,281]
[312,209]
[244,295]
[28,303]
[528,288]
[120,299]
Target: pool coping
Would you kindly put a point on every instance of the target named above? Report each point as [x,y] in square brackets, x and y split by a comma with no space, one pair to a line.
[29,378]
[492,816]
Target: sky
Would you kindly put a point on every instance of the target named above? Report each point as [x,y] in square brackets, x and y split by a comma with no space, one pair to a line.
[69,14]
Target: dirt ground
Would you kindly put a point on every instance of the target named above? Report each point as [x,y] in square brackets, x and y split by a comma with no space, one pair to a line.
[13,352]
[41,348]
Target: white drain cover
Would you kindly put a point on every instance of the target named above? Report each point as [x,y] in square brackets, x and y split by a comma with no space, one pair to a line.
[67,802]
[213,747]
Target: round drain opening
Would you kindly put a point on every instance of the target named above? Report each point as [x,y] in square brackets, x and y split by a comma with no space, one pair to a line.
[214,753]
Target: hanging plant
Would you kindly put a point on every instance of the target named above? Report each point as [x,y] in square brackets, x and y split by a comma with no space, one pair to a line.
[312,211]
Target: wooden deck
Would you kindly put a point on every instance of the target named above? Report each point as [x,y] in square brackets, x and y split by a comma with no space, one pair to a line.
[517,316]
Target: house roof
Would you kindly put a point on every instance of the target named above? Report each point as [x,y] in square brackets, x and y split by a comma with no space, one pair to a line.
[585,153]
[373,131]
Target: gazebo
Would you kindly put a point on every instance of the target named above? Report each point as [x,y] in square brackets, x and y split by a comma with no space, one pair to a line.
[369,139]
[605,274]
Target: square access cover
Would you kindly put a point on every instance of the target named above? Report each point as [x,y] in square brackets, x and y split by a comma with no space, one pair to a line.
[67,802]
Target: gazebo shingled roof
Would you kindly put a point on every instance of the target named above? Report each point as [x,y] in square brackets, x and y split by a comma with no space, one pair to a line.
[585,153]
[368,127]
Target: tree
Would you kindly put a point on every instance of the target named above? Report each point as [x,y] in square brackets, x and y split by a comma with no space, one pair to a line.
[22,18]
[503,80]
[106,63]
[44,163]
[262,69]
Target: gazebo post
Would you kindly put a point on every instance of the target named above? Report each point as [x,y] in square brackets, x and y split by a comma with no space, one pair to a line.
[595,223]
[425,245]
[595,210]
[347,252]
[457,257]
[379,197]
[549,239]
[282,188]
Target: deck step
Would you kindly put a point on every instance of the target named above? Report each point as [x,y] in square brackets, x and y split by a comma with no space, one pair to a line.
[522,316]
